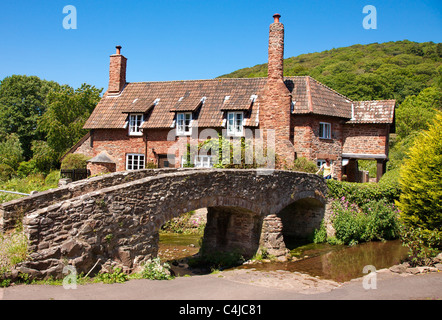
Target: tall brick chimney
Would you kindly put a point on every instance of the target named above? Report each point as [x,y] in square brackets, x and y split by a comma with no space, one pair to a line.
[117,72]
[276,49]
[275,107]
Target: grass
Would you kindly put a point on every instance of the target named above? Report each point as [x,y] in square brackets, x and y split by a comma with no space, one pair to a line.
[33,182]
[13,250]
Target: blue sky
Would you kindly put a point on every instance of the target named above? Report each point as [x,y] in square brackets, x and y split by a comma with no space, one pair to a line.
[190,39]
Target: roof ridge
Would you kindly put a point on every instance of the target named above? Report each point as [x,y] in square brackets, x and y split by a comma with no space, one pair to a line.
[195,80]
[333,90]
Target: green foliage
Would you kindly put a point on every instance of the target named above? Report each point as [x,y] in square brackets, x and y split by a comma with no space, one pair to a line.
[184,224]
[43,157]
[6,172]
[417,111]
[375,220]
[11,152]
[67,111]
[23,102]
[13,249]
[115,276]
[302,164]
[421,180]
[154,270]
[52,178]
[391,70]
[361,193]
[74,161]
[422,244]
[27,184]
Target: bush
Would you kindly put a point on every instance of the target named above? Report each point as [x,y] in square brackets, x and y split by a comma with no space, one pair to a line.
[375,220]
[361,193]
[304,165]
[52,178]
[26,168]
[154,270]
[421,180]
[74,161]
[422,244]
[6,172]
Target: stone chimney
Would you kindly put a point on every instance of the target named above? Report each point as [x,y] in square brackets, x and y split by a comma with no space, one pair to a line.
[117,72]
[276,49]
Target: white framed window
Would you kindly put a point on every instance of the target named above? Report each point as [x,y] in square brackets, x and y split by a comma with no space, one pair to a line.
[324,130]
[134,161]
[235,123]
[320,162]
[135,122]
[184,123]
[203,161]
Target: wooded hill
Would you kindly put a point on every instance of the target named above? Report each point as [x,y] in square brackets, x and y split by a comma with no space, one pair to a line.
[391,70]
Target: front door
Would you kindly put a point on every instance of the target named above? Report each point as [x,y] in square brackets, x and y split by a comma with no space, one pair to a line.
[166,161]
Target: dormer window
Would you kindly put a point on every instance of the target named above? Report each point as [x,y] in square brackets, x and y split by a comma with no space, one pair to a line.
[235,123]
[135,122]
[184,123]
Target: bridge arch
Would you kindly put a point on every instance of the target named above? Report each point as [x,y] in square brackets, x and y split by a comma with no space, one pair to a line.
[121,223]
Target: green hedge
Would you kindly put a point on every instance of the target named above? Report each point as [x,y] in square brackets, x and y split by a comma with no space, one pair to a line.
[361,193]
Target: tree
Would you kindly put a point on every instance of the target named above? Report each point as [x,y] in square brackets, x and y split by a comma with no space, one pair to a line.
[22,103]
[67,111]
[11,152]
[416,112]
[421,180]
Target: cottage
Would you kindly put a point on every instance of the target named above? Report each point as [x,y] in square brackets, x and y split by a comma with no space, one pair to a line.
[140,123]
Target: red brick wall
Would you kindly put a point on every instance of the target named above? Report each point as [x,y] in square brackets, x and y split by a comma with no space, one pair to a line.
[365,138]
[308,144]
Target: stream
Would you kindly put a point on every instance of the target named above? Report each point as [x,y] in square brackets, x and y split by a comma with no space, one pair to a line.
[334,262]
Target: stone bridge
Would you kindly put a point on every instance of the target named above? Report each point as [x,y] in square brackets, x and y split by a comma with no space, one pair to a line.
[116,218]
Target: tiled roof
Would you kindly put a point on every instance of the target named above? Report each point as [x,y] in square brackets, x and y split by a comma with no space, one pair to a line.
[211,98]
[311,96]
[376,111]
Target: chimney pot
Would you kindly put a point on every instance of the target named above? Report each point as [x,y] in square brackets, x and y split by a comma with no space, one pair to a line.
[118,49]
[276,17]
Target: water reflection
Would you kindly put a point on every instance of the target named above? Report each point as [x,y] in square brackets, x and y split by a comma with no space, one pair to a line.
[340,263]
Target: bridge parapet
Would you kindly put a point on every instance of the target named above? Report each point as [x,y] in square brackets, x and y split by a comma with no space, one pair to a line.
[120,223]
[12,211]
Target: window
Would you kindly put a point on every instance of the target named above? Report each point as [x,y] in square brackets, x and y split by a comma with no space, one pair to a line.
[204,161]
[200,162]
[184,120]
[235,123]
[135,122]
[320,162]
[324,130]
[134,161]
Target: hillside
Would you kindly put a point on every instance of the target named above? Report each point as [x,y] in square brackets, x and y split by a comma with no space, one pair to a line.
[391,70]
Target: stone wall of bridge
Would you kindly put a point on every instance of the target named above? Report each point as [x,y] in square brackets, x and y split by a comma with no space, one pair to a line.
[119,224]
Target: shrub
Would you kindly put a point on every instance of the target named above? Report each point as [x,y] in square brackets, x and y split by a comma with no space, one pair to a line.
[304,165]
[26,168]
[375,220]
[421,180]
[154,270]
[422,244]
[74,161]
[115,276]
[361,193]
[52,178]
[6,172]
